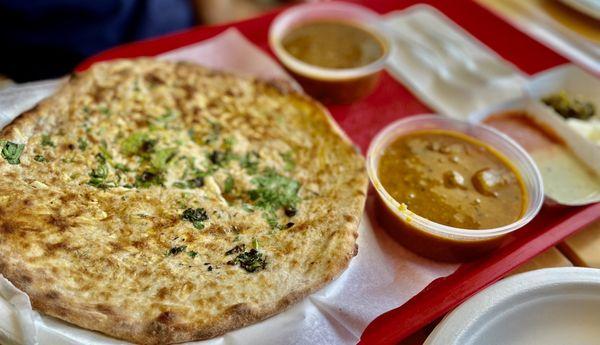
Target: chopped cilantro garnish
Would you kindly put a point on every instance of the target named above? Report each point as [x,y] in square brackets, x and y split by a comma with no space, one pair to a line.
[47,141]
[39,158]
[251,261]
[237,249]
[219,158]
[176,250]
[190,166]
[192,254]
[196,182]
[104,150]
[228,188]
[249,162]
[11,152]
[247,208]
[99,175]
[271,219]
[122,167]
[214,135]
[138,143]
[180,185]
[149,178]
[141,145]
[195,216]
[288,158]
[105,110]
[160,158]
[192,134]
[229,142]
[274,191]
[68,159]
[82,143]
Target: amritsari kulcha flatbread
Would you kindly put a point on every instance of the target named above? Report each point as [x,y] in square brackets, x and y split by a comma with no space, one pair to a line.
[162,202]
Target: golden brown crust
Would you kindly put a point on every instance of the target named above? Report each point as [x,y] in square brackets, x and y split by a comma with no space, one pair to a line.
[96,257]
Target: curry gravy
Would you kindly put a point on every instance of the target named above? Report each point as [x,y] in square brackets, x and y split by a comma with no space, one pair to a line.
[452,179]
[333,44]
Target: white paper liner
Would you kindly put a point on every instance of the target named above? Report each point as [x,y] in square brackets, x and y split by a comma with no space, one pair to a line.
[20,97]
[381,277]
[231,51]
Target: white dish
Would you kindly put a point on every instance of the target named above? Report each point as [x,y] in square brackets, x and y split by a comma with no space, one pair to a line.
[555,306]
[575,82]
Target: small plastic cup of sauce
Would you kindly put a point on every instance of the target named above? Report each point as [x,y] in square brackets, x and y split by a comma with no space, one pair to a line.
[335,50]
[439,241]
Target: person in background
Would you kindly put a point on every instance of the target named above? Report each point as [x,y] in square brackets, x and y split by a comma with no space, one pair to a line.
[42,39]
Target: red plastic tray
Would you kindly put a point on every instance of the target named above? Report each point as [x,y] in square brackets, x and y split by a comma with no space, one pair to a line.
[390,101]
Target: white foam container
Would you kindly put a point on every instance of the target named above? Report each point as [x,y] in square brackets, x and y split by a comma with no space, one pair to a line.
[574,81]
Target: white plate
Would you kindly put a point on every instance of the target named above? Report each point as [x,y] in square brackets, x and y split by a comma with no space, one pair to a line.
[554,306]
[589,7]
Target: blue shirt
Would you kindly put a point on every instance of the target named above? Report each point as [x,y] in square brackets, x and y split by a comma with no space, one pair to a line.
[47,38]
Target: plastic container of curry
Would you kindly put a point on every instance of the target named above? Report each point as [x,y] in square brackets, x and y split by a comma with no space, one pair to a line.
[440,241]
[335,50]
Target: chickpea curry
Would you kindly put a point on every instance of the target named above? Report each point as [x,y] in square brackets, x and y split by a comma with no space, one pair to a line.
[452,179]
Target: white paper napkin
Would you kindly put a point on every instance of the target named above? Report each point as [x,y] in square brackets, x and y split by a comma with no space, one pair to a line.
[383,276]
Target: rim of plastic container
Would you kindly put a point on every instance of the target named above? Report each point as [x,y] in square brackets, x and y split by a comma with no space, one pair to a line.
[363,16]
[528,171]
